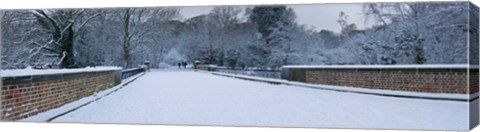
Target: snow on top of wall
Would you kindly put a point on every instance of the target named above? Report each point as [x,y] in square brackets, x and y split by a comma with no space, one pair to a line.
[208,65]
[434,66]
[30,71]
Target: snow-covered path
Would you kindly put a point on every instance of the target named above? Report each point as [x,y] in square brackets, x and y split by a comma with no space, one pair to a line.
[186,97]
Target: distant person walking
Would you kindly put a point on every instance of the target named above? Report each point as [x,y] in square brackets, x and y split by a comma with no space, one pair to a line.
[179,64]
[184,64]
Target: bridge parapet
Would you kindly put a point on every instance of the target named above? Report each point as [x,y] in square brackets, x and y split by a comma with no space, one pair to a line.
[458,79]
[26,94]
[205,67]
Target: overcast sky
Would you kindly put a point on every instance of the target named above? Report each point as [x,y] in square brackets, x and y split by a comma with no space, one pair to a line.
[318,16]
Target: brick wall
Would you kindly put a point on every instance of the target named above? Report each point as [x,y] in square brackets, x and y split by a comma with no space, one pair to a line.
[431,80]
[205,67]
[26,96]
[473,80]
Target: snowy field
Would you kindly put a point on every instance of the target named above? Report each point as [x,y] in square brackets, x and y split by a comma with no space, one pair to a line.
[185,97]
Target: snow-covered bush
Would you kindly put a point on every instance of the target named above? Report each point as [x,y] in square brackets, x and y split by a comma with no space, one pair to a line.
[173,57]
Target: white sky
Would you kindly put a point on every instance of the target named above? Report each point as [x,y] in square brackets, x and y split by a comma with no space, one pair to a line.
[317,16]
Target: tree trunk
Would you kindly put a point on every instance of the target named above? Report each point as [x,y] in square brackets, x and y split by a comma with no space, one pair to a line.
[68,57]
[126,39]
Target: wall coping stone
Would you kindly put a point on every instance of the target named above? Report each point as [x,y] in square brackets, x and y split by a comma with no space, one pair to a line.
[37,72]
[47,77]
[430,66]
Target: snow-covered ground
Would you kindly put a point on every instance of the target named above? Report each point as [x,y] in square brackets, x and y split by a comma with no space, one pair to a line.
[185,97]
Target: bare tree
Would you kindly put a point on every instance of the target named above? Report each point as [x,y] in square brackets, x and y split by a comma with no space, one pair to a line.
[62,26]
[223,18]
[417,27]
[139,25]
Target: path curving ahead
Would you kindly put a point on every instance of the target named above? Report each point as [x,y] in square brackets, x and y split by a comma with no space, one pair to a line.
[186,97]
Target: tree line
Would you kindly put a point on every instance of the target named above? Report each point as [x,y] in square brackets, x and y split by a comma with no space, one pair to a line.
[236,37]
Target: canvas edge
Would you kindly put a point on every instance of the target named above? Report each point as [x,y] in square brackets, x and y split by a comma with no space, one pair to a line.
[472,54]
[1,56]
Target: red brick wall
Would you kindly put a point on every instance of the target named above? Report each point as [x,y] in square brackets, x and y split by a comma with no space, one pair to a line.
[473,83]
[437,80]
[23,97]
[205,67]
